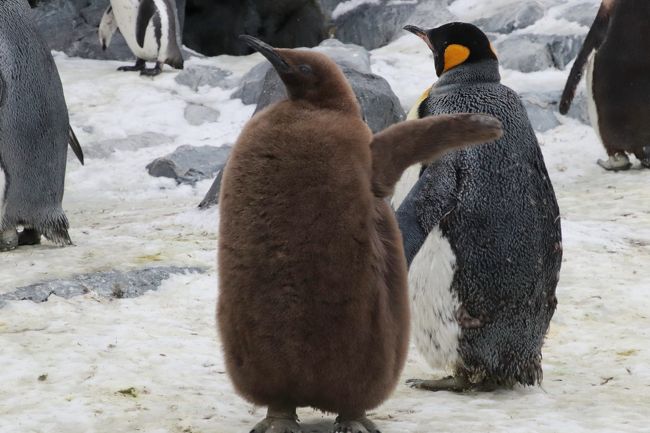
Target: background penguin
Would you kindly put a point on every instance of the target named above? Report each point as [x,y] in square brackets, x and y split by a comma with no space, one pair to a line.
[35,132]
[618,81]
[313,303]
[151,30]
[481,230]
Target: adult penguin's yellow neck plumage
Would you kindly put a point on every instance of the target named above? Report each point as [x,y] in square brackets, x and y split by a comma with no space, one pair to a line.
[455,44]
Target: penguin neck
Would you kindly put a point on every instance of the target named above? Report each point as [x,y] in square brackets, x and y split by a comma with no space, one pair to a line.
[485,71]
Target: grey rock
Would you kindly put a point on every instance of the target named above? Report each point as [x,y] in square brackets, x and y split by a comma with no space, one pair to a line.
[350,55]
[197,115]
[429,14]
[190,164]
[582,13]
[373,25]
[531,52]
[512,17]
[543,110]
[112,284]
[381,107]
[105,148]
[251,84]
[195,76]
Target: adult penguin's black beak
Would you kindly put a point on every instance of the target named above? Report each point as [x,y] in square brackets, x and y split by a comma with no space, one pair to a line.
[267,51]
[420,33]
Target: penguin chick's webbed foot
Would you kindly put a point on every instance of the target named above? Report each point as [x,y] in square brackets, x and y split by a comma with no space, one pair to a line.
[278,421]
[29,237]
[357,425]
[156,70]
[617,162]
[452,384]
[8,240]
[140,65]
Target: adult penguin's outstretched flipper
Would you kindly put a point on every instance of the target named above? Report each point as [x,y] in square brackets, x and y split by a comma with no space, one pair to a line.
[594,39]
[74,144]
[404,144]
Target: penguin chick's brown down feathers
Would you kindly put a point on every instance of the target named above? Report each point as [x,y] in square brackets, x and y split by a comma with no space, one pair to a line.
[313,307]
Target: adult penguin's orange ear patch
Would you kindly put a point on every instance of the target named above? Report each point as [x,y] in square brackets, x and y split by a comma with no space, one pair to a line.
[455,55]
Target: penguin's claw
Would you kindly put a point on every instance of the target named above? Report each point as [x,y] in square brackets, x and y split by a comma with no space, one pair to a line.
[8,240]
[277,425]
[618,162]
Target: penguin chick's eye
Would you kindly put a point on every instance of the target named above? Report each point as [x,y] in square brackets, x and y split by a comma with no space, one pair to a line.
[305,69]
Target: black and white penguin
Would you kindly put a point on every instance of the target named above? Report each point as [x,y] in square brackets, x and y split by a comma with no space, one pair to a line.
[34,134]
[151,30]
[481,230]
[618,81]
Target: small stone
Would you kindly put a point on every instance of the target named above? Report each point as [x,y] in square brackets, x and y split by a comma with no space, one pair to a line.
[190,164]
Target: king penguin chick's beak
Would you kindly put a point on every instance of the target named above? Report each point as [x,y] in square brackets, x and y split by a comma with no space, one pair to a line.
[420,33]
[267,51]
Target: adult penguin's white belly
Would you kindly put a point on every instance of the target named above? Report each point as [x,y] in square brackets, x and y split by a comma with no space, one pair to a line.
[126,12]
[591,103]
[433,305]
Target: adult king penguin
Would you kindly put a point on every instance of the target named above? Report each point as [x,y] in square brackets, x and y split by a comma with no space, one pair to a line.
[313,300]
[618,81]
[481,230]
[34,134]
[151,30]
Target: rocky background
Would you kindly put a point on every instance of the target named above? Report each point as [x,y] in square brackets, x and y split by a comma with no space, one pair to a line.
[525,34]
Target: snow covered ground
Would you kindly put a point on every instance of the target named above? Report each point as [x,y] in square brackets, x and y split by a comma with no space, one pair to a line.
[153,364]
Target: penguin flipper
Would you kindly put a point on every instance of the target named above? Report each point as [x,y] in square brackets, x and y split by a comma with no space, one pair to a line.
[107,27]
[594,39]
[404,144]
[146,11]
[74,144]
[431,199]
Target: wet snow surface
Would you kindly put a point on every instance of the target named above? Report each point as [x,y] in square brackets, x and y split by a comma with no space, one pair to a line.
[153,363]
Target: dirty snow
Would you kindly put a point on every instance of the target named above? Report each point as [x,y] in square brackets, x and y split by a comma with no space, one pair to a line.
[153,364]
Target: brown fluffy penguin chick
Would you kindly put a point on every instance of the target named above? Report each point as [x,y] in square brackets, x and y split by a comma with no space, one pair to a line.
[313,307]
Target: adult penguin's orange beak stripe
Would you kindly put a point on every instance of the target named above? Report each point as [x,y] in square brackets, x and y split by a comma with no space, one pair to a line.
[267,51]
[421,33]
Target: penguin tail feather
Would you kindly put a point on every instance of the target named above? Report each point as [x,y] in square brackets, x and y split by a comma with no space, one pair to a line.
[55,229]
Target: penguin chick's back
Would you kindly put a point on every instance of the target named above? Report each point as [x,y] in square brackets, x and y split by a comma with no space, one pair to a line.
[298,271]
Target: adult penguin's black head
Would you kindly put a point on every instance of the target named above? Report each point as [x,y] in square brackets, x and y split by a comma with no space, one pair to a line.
[455,44]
